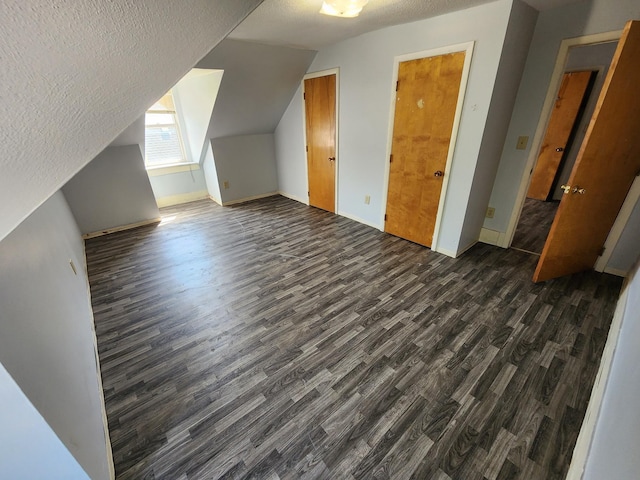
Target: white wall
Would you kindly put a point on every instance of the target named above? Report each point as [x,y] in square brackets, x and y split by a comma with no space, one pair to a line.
[582,18]
[75,74]
[26,436]
[195,96]
[47,337]
[290,152]
[522,22]
[614,451]
[113,190]
[211,175]
[248,163]
[366,70]
[628,246]
[172,188]
[256,87]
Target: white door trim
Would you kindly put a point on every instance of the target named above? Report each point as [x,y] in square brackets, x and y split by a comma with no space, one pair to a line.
[461,47]
[618,227]
[323,73]
[545,115]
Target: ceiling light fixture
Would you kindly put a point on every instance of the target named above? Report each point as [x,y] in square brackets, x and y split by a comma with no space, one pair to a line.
[343,8]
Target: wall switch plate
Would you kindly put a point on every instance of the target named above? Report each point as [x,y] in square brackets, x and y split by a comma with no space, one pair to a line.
[367,199]
[225,184]
[490,212]
[522,143]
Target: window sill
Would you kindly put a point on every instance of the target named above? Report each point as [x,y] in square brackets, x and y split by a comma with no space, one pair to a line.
[169,169]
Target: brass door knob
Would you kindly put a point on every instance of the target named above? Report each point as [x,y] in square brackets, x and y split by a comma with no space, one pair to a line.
[559,149]
[332,159]
[578,190]
[566,188]
[438,173]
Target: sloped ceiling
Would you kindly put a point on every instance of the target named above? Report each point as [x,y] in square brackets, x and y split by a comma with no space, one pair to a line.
[257,85]
[75,74]
[298,24]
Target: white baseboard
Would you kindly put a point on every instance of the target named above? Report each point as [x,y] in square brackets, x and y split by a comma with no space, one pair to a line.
[129,226]
[360,220]
[617,272]
[215,200]
[446,251]
[585,437]
[181,198]
[248,199]
[294,197]
[491,237]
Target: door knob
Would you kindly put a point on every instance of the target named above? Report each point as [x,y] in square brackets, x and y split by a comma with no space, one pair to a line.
[438,173]
[332,159]
[578,190]
[559,149]
[566,188]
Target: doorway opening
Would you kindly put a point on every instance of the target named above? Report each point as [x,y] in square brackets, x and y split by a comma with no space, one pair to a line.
[584,68]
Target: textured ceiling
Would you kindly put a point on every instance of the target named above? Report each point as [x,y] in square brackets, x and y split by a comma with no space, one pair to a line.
[76,73]
[297,23]
[257,85]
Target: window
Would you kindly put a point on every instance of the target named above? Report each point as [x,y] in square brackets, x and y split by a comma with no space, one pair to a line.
[163,142]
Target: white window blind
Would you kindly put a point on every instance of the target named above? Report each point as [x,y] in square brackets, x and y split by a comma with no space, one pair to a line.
[163,144]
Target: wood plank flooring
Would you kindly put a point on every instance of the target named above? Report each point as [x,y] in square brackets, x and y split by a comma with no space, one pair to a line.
[534,225]
[271,340]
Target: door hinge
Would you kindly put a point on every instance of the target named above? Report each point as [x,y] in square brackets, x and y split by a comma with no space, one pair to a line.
[385,217]
[397,83]
[601,251]
[306,148]
[308,193]
[304,96]
[391,158]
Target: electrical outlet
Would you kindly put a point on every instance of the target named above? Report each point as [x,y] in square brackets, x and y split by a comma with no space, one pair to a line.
[522,143]
[490,212]
[225,184]
[367,199]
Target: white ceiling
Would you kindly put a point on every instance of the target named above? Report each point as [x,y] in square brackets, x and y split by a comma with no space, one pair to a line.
[298,23]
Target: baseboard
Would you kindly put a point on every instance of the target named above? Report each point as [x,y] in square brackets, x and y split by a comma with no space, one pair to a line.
[294,197]
[103,407]
[248,199]
[585,437]
[122,228]
[445,251]
[359,220]
[617,272]
[490,237]
[215,200]
[181,198]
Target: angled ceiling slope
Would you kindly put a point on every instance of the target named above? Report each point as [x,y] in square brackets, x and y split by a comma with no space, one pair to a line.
[257,85]
[76,74]
[296,23]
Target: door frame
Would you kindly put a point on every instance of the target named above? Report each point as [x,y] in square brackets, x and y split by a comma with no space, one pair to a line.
[543,121]
[322,73]
[616,230]
[466,47]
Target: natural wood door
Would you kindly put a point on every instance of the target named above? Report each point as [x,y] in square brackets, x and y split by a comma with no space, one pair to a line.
[320,115]
[426,100]
[563,118]
[607,163]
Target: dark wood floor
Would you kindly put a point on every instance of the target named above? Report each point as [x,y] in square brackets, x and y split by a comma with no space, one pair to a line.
[534,225]
[272,340]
